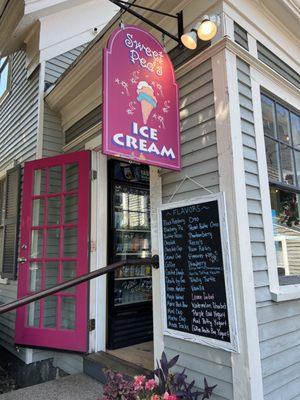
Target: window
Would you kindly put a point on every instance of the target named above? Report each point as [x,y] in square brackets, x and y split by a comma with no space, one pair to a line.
[282,140]
[4,76]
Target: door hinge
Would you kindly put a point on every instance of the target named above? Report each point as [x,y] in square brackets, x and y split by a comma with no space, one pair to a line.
[93,175]
[92,324]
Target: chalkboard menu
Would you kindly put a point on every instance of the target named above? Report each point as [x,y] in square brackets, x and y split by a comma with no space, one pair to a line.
[195,296]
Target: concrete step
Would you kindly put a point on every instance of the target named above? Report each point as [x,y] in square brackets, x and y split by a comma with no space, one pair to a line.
[94,364]
[72,387]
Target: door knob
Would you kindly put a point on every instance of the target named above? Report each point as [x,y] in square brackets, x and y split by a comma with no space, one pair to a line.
[22,260]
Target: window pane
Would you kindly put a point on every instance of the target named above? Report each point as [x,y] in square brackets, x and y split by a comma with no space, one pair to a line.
[51,274]
[71,177]
[68,313]
[2,61]
[35,277]
[36,248]
[272,159]
[37,212]
[54,210]
[52,243]
[39,182]
[33,314]
[287,165]
[69,269]
[295,121]
[54,185]
[70,242]
[4,80]
[268,114]
[285,213]
[50,311]
[283,126]
[297,159]
[71,209]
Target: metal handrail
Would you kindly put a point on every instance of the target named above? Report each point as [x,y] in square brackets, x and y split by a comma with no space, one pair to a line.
[76,281]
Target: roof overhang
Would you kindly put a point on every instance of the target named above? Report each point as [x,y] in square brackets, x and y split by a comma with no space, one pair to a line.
[78,90]
[19,17]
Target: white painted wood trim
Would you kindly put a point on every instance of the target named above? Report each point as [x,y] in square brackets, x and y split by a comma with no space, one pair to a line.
[40,126]
[285,256]
[264,27]
[98,253]
[155,203]
[93,251]
[286,292]
[252,46]
[246,366]
[231,311]
[102,232]
[228,27]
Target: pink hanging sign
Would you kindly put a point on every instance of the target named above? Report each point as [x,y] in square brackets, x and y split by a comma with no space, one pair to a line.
[140,100]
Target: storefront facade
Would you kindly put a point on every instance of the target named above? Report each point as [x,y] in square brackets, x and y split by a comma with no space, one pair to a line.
[239,127]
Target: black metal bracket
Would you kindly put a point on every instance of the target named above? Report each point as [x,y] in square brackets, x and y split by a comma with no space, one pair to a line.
[155,261]
[179,17]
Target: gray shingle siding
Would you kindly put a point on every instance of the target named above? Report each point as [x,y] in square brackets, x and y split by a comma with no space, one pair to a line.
[279,323]
[200,162]
[278,65]
[241,36]
[19,115]
[52,133]
[91,119]
[57,65]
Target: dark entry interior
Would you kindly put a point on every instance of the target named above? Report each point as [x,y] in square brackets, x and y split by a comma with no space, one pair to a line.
[129,288]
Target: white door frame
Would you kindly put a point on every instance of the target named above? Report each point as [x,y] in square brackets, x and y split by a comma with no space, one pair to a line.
[98,245]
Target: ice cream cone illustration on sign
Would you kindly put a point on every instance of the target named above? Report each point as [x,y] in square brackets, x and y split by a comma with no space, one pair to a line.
[146,98]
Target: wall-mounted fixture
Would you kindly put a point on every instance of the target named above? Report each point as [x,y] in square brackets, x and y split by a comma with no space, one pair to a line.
[204,30]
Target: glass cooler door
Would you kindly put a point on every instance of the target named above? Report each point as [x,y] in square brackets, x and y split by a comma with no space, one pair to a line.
[131,225]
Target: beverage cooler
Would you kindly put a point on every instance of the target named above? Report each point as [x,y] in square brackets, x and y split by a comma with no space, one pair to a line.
[130,287]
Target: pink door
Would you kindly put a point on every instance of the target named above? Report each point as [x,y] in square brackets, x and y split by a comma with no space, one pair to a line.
[54,247]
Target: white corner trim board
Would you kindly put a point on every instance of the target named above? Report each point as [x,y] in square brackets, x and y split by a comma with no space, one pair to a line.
[224,265]
[232,181]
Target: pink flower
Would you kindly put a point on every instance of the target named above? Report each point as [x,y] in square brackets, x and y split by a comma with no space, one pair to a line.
[155,397]
[139,381]
[168,396]
[150,384]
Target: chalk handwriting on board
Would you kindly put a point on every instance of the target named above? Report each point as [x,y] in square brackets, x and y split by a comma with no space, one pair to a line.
[195,287]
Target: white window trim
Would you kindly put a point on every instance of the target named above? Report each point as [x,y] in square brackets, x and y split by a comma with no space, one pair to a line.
[8,86]
[258,80]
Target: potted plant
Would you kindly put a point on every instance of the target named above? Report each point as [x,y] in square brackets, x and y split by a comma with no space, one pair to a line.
[166,386]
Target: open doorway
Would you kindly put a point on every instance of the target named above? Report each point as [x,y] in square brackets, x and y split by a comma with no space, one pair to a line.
[130,318]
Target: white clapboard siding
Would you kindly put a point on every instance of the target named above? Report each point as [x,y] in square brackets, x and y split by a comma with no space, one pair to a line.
[57,65]
[279,323]
[200,162]
[19,114]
